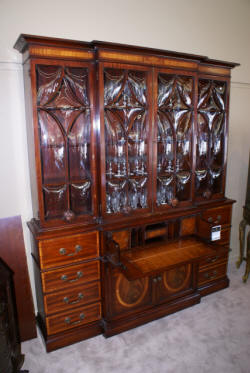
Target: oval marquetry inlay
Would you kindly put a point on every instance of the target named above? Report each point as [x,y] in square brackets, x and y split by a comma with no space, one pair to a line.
[176,279]
[130,293]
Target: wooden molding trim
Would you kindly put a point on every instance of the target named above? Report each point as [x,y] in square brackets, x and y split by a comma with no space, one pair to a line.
[213,70]
[146,59]
[38,51]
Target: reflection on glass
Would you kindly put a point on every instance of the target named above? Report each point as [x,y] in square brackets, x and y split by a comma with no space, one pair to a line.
[201,174]
[165,190]
[215,172]
[115,196]
[138,194]
[203,144]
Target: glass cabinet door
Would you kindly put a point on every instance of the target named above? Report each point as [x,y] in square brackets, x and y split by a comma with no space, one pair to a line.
[66,136]
[174,115]
[127,134]
[211,134]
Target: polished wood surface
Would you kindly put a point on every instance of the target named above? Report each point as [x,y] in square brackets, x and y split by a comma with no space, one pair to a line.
[12,251]
[211,274]
[79,295]
[128,157]
[80,316]
[159,257]
[68,276]
[70,249]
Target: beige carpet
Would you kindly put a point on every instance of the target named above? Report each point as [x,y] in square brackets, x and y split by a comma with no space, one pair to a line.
[213,336]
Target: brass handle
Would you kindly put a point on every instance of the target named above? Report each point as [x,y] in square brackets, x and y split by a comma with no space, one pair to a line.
[211,275]
[80,297]
[79,274]
[212,260]
[63,251]
[68,321]
[157,279]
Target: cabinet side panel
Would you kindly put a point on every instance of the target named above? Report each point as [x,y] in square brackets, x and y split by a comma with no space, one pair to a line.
[30,138]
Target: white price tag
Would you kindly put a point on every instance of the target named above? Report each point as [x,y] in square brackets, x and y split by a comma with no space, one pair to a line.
[216,233]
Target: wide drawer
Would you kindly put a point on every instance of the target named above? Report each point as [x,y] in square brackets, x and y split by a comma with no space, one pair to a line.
[69,249]
[217,258]
[219,215]
[73,319]
[70,276]
[66,299]
[212,274]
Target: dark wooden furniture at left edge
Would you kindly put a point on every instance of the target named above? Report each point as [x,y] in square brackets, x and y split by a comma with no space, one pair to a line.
[11,358]
[12,251]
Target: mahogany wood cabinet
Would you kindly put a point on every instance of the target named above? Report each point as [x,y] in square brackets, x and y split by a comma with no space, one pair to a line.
[128,153]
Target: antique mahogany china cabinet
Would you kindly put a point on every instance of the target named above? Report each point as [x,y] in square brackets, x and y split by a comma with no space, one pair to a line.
[127,151]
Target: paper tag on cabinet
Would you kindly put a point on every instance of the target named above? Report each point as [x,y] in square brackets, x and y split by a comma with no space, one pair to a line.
[216,233]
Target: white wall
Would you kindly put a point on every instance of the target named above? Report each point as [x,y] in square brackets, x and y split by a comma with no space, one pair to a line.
[219,29]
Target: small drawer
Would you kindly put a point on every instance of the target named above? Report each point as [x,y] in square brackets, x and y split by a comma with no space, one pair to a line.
[217,258]
[69,249]
[218,216]
[71,276]
[66,299]
[76,318]
[212,274]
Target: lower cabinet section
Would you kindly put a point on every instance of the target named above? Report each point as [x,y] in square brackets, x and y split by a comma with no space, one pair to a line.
[114,280]
[130,303]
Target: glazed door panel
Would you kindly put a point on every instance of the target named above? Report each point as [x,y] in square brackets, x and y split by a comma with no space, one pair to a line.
[174,118]
[211,138]
[125,112]
[64,103]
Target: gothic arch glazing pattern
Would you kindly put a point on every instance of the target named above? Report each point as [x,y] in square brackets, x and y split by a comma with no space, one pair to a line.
[174,138]
[126,140]
[210,137]
[65,130]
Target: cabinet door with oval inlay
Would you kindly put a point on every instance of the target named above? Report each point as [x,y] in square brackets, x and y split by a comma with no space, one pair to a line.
[127,296]
[173,282]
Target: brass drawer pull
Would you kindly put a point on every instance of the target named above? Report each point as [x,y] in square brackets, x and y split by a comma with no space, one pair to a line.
[210,276]
[63,251]
[79,274]
[68,321]
[66,299]
[212,260]
[157,279]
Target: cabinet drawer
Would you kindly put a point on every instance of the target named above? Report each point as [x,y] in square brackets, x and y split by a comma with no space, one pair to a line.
[212,274]
[224,237]
[73,319]
[66,299]
[220,215]
[217,258]
[69,249]
[71,276]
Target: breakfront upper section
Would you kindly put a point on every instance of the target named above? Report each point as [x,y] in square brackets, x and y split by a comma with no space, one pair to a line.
[122,131]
